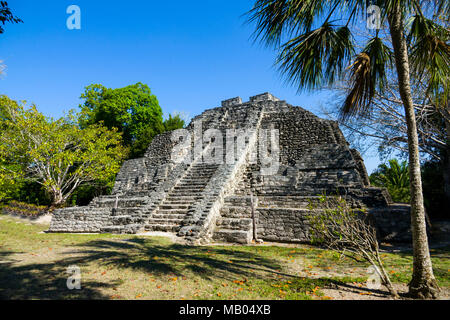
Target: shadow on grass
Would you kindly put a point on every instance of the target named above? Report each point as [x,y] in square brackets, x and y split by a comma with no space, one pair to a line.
[48,280]
[151,256]
[43,281]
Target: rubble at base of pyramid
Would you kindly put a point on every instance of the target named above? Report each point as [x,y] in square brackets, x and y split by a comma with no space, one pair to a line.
[202,182]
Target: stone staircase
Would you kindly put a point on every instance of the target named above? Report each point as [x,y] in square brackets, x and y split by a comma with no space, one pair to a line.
[126,212]
[172,211]
[175,210]
[235,223]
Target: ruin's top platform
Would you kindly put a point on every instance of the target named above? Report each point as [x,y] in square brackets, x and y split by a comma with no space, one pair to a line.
[260,97]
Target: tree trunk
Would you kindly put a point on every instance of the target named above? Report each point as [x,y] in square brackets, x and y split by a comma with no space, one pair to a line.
[423,284]
[446,166]
[58,200]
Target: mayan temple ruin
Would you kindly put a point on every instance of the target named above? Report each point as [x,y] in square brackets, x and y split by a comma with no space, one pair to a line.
[225,200]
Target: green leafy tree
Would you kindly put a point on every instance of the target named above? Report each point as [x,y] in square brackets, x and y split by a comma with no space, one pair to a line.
[133,110]
[10,173]
[173,122]
[141,144]
[57,154]
[316,44]
[395,178]
[10,177]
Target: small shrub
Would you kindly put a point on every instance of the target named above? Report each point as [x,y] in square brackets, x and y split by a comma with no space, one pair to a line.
[336,225]
[24,209]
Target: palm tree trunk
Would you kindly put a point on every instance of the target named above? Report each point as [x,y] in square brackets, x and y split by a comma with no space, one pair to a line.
[446,164]
[423,284]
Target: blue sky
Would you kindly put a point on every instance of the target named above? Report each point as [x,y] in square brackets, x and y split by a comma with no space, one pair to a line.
[192,54]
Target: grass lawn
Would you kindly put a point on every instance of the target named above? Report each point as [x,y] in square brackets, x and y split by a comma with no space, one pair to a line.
[33,265]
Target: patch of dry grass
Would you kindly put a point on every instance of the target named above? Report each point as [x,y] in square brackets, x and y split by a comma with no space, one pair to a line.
[34,264]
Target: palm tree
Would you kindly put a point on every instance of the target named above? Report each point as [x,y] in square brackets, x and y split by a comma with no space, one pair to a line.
[316,44]
[395,178]
[6,15]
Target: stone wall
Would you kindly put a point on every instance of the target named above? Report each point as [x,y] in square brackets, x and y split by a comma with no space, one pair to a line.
[282,224]
[291,225]
[80,219]
[298,131]
[360,167]
[160,150]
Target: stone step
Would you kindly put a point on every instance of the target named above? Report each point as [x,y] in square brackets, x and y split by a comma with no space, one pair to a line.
[123,219]
[183,197]
[161,227]
[293,210]
[196,177]
[177,201]
[181,193]
[122,202]
[122,197]
[234,236]
[193,183]
[126,220]
[172,211]
[174,206]
[201,173]
[168,216]
[244,224]
[175,210]
[204,166]
[93,210]
[238,200]
[169,221]
[189,190]
[124,211]
[113,229]
[236,212]
[185,188]
[139,193]
[130,228]
[203,169]
[237,215]
[288,202]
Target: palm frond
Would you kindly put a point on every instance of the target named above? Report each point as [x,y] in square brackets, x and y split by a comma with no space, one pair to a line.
[367,74]
[387,6]
[270,18]
[273,18]
[440,8]
[316,57]
[430,55]
[360,96]
[340,55]
[381,59]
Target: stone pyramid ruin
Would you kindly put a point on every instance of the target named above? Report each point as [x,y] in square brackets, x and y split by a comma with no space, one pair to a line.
[236,169]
